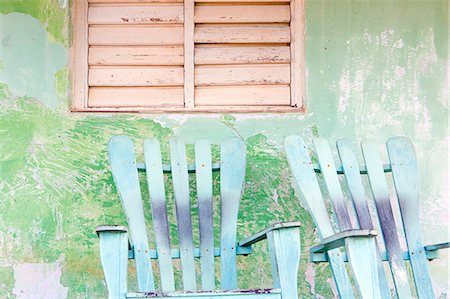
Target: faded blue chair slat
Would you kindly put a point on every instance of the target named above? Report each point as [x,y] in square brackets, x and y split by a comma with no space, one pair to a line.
[117,247]
[360,239]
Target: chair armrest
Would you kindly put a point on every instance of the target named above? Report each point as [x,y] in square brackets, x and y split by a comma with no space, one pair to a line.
[114,228]
[110,228]
[114,253]
[438,246]
[261,235]
[338,240]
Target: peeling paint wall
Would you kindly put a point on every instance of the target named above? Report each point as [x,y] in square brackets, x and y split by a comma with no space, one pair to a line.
[375,69]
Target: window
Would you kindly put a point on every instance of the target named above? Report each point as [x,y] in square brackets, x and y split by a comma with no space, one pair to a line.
[170,55]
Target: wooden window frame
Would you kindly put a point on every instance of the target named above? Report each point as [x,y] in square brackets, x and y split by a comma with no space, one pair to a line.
[79,67]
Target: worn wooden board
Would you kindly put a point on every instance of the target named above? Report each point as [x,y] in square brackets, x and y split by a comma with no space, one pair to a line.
[242,34]
[203,173]
[242,75]
[146,55]
[142,35]
[133,2]
[241,54]
[232,173]
[135,96]
[123,164]
[136,14]
[180,182]
[136,76]
[189,53]
[405,173]
[329,173]
[243,1]
[78,55]
[242,14]
[381,196]
[242,95]
[155,181]
[297,27]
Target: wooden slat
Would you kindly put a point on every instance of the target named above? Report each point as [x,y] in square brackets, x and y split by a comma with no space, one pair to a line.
[136,14]
[183,211]
[405,173]
[306,180]
[380,193]
[155,179]
[241,55]
[242,34]
[234,294]
[189,25]
[242,14]
[136,76]
[354,182]
[115,55]
[123,165]
[242,75]
[205,212]
[297,27]
[232,173]
[79,54]
[329,173]
[135,96]
[117,35]
[135,1]
[243,95]
[195,110]
[242,1]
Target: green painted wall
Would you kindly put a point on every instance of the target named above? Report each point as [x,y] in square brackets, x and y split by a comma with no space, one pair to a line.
[374,69]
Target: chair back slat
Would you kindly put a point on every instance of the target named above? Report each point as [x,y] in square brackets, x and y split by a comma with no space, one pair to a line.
[404,171]
[306,180]
[353,177]
[155,178]
[123,164]
[232,173]
[183,211]
[332,182]
[203,167]
[378,184]
[354,182]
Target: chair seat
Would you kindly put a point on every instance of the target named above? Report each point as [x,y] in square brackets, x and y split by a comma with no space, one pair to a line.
[218,294]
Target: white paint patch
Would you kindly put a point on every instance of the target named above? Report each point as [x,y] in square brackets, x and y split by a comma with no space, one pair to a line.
[36,281]
[275,196]
[310,278]
[333,287]
[399,72]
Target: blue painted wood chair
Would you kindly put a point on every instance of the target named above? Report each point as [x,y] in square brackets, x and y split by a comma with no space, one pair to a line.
[116,247]
[359,239]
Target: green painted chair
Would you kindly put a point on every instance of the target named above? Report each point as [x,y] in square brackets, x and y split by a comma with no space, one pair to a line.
[116,248]
[359,237]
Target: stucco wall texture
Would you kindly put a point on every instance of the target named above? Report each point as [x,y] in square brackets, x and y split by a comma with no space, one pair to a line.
[374,69]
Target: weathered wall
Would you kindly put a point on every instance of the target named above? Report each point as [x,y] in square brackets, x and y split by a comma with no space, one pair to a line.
[375,69]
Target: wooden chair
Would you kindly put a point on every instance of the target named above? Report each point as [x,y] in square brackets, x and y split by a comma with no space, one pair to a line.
[116,249]
[359,240]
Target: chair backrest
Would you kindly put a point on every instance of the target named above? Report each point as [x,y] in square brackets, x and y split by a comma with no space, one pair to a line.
[402,169]
[232,171]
